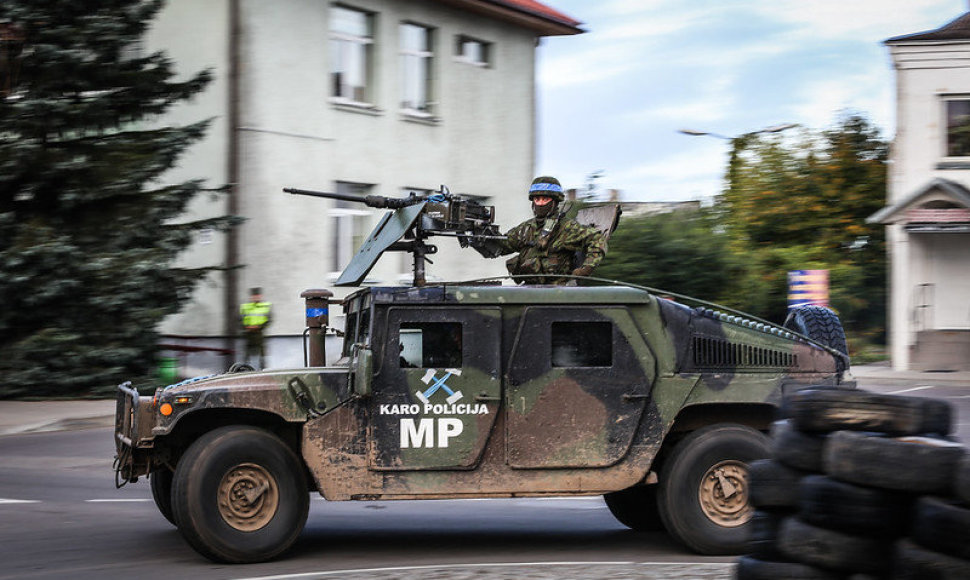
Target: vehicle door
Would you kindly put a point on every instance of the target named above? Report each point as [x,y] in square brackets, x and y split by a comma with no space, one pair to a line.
[578,381]
[437,391]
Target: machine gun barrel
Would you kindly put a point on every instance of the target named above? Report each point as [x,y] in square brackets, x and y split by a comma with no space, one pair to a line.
[378,201]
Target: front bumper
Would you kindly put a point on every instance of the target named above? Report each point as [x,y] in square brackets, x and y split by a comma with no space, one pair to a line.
[132,423]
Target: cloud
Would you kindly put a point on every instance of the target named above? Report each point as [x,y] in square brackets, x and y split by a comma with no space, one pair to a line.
[841,19]
[613,98]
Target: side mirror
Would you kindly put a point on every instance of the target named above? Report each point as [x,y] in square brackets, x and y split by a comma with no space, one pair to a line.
[362,372]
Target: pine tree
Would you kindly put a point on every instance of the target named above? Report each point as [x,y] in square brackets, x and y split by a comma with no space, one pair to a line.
[89,231]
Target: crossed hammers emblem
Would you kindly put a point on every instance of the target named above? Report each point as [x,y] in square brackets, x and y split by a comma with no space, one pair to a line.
[438,384]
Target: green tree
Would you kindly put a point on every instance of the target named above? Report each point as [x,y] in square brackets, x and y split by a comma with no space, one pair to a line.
[683,252]
[803,206]
[89,232]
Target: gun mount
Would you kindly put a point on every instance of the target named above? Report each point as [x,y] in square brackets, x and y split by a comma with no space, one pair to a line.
[413,220]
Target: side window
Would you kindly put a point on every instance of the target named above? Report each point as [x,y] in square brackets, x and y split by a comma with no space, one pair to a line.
[582,344]
[431,344]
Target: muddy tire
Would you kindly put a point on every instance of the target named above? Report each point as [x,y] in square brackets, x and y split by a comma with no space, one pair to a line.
[961,486]
[821,325]
[240,495]
[161,484]
[796,448]
[832,549]
[754,569]
[636,508]
[911,464]
[943,526]
[854,509]
[704,491]
[763,540]
[913,562]
[773,485]
[827,410]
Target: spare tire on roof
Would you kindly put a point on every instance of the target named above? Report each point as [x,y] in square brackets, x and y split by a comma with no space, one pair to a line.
[823,326]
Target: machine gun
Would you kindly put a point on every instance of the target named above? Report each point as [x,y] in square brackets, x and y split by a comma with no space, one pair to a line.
[415,218]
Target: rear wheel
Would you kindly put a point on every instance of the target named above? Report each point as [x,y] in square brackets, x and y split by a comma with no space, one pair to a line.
[704,491]
[240,495]
[636,508]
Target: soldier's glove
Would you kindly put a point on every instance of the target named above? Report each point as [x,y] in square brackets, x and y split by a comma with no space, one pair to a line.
[582,271]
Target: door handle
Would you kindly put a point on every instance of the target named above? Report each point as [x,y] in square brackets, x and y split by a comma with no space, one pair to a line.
[627,397]
[486,398]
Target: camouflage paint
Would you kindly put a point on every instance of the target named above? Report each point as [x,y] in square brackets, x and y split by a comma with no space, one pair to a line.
[545,429]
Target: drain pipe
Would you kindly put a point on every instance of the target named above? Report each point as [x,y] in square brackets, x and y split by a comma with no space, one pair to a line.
[231,307]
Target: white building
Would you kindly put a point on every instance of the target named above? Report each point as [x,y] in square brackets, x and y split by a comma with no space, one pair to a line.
[928,210]
[356,97]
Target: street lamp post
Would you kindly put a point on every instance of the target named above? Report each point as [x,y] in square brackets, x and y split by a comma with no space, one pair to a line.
[738,144]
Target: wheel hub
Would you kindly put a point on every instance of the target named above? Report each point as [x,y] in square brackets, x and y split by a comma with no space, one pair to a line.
[723,494]
[248,497]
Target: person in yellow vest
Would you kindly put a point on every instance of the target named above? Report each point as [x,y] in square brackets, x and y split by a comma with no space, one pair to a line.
[255,317]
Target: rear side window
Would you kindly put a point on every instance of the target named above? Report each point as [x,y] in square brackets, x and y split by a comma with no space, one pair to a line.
[582,344]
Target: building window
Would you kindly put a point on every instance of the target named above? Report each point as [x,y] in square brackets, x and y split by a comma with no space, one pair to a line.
[416,61]
[351,43]
[582,344]
[349,224]
[472,51]
[957,127]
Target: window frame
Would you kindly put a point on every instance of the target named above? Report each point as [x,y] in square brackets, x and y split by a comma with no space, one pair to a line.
[365,44]
[486,50]
[426,56]
[945,113]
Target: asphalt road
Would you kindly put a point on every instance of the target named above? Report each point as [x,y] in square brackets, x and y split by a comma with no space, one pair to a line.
[61,517]
[75,524]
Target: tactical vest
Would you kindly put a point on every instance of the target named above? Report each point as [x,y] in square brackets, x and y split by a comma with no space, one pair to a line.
[255,313]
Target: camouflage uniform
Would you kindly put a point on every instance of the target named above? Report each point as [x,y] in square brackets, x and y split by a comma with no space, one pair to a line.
[551,246]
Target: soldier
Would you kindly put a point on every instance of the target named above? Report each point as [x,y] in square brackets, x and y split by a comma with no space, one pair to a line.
[550,243]
[255,316]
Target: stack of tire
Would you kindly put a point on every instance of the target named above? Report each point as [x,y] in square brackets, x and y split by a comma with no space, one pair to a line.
[863,486]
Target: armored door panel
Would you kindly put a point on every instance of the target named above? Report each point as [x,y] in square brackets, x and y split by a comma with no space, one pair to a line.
[578,382]
[438,389]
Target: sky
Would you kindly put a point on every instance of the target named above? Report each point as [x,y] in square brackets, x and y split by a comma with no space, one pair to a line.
[612,100]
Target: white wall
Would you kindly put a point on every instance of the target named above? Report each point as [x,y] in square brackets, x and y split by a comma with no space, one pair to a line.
[195,37]
[925,74]
[291,134]
[482,143]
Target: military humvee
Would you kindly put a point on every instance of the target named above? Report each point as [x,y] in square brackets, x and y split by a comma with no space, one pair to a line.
[482,390]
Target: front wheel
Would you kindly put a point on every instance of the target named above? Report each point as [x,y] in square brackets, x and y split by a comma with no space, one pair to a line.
[239,495]
[704,492]
[161,483]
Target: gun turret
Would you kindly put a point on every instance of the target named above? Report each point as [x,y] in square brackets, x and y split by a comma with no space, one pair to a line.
[415,218]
